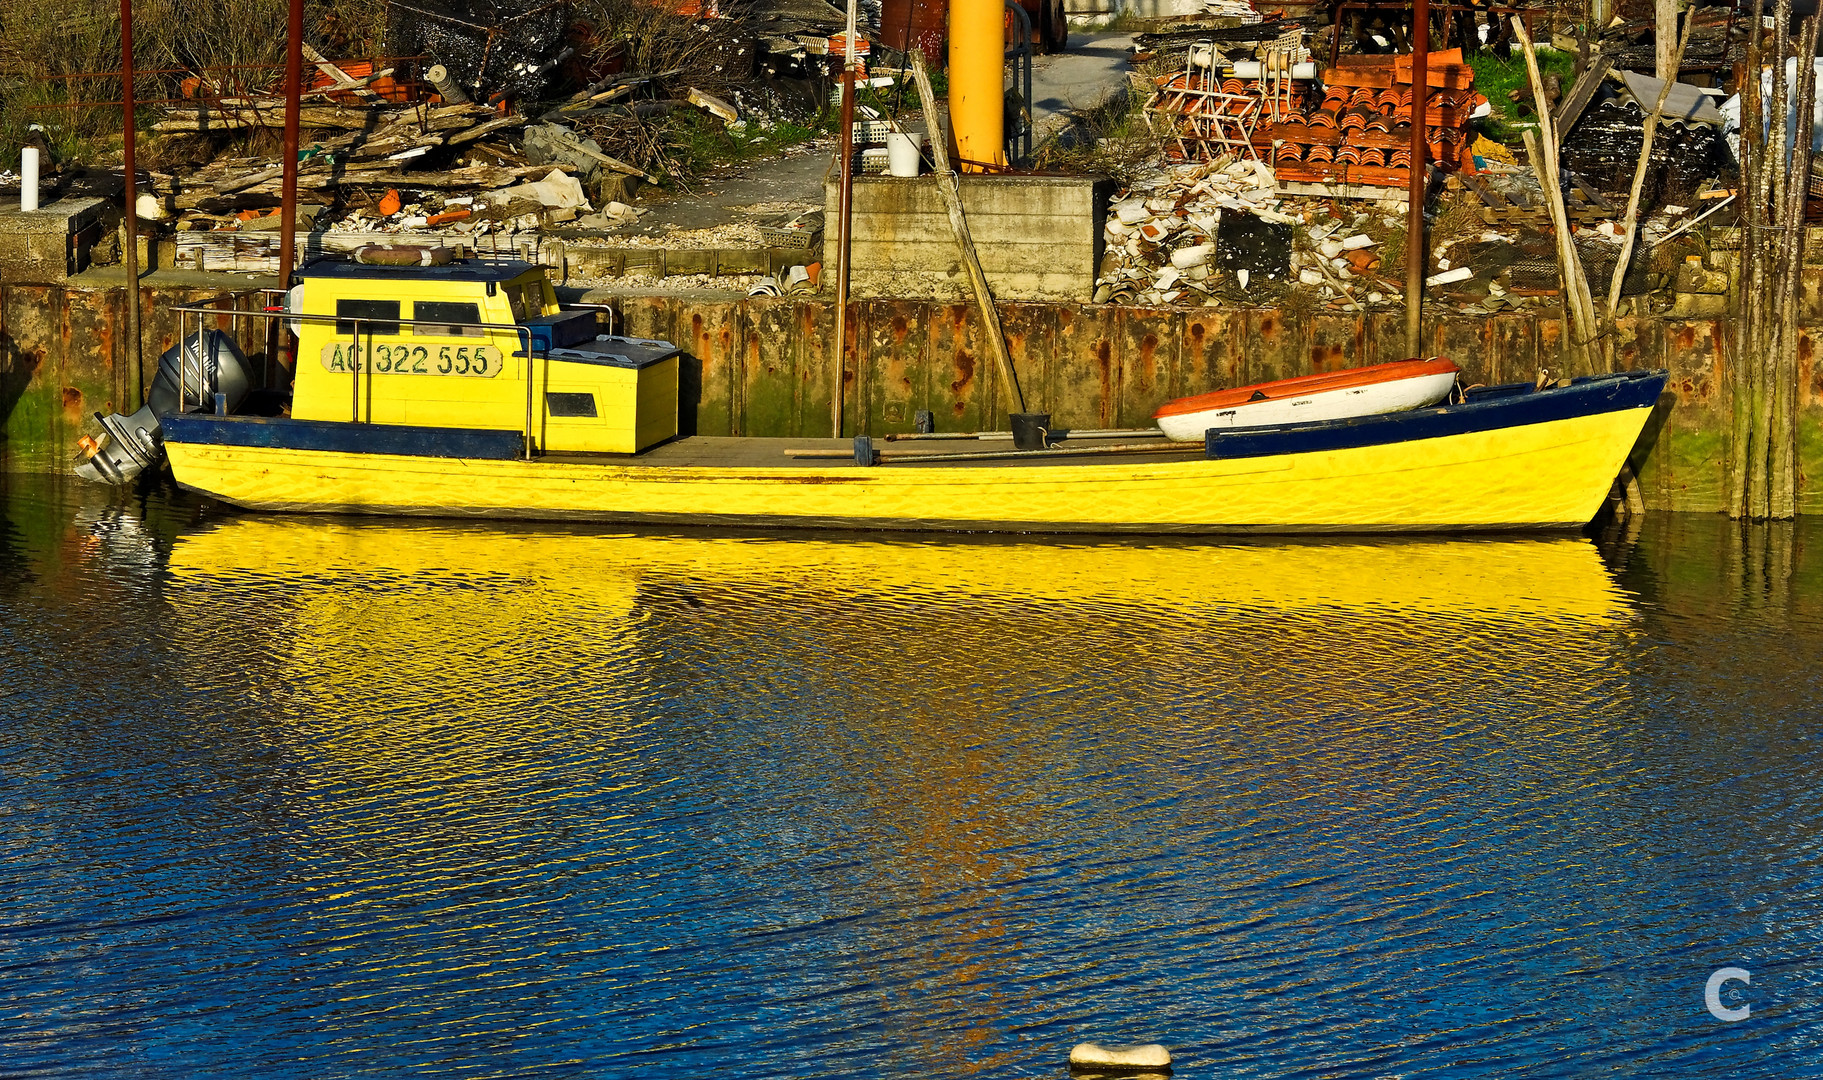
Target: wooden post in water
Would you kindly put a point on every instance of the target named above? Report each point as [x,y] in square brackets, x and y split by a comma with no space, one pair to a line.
[1775,182]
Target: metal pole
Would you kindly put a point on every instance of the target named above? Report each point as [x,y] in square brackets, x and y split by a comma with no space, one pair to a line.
[1414,217]
[288,189]
[130,220]
[844,215]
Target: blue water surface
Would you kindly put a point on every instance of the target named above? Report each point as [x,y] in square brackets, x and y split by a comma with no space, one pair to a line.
[338,798]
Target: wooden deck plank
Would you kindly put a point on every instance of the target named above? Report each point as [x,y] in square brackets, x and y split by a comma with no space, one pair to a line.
[731,452]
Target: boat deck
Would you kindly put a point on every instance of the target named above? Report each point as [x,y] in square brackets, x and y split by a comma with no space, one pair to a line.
[718,451]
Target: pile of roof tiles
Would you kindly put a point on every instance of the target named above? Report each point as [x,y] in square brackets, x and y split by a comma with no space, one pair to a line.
[1351,125]
[1359,130]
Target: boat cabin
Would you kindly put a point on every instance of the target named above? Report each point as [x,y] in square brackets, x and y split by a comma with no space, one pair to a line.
[478,345]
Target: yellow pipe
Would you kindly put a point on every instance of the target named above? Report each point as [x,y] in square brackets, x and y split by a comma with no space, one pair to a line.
[977,60]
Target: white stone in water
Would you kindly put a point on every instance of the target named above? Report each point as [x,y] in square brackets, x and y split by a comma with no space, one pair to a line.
[1147,1056]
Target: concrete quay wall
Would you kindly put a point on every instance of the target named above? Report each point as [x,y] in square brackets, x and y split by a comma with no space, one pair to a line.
[764,366]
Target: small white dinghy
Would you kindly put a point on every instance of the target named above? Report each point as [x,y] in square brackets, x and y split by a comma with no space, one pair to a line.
[1331,395]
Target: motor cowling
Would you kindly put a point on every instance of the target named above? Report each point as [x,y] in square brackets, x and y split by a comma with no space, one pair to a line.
[190,374]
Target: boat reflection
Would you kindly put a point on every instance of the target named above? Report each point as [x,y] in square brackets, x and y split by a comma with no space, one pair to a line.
[877,749]
[1555,578]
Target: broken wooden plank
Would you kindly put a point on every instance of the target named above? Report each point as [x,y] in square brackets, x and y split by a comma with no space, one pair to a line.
[483,130]
[1570,109]
[343,81]
[1594,197]
[712,104]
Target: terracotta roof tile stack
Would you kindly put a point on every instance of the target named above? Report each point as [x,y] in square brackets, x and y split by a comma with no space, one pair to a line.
[1359,132]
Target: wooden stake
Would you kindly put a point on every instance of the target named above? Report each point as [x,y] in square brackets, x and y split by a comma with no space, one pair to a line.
[1541,145]
[1782,462]
[1639,174]
[1746,338]
[952,197]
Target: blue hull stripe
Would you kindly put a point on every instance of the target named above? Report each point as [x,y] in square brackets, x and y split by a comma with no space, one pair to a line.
[1488,409]
[280,433]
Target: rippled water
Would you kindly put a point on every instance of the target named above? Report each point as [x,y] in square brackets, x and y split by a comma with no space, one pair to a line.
[330,798]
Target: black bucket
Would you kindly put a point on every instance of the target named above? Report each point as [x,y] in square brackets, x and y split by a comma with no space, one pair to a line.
[1030,429]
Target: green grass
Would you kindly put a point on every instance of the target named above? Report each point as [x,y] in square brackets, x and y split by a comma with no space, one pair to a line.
[1496,79]
[698,143]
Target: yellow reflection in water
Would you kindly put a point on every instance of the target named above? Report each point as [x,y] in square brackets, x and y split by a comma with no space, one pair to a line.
[388,629]
[1548,577]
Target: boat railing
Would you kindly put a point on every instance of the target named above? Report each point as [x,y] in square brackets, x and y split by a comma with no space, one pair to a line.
[276,313]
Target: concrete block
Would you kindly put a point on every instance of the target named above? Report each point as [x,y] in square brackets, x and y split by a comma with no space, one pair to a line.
[1692,277]
[1699,306]
[48,245]
[1038,238]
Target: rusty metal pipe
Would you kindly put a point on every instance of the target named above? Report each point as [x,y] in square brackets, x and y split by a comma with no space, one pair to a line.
[129,255]
[844,216]
[288,185]
[1414,215]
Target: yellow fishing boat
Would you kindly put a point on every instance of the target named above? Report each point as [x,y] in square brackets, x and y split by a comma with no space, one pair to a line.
[465,390]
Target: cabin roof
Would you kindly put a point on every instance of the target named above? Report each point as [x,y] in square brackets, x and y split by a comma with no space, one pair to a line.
[468,270]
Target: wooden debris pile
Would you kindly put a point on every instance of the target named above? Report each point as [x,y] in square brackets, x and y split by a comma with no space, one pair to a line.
[374,165]
[1718,41]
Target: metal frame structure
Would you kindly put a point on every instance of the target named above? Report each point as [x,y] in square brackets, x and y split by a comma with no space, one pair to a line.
[1020,55]
[1201,115]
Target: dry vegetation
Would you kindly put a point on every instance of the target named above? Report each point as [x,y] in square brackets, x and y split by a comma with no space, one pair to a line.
[57,50]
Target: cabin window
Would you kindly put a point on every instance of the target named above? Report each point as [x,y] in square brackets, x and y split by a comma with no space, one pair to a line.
[569,404]
[373,315]
[454,313]
[527,300]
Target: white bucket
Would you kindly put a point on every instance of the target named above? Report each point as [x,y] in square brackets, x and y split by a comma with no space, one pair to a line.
[904,151]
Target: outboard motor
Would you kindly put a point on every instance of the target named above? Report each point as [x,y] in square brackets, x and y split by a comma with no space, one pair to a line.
[190,374]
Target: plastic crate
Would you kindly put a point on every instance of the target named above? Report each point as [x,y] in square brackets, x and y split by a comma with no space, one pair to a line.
[802,233]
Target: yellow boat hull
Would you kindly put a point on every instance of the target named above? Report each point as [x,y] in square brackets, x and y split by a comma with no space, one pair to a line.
[1552,474]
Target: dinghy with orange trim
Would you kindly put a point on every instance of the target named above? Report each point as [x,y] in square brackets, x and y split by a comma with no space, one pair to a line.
[1330,395]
